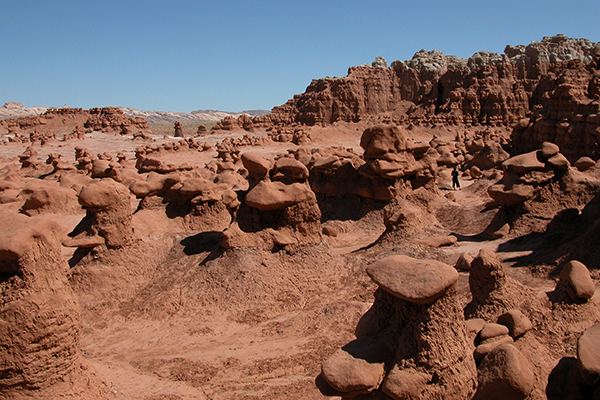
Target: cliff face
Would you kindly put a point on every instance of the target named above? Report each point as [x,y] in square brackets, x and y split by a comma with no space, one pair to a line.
[487,88]
[547,91]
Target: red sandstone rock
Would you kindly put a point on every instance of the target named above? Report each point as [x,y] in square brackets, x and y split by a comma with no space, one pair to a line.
[418,281]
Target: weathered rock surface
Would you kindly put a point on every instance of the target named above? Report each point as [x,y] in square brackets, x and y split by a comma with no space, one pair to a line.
[588,355]
[505,374]
[517,323]
[108,213]
[580,284]
[268,196]
[39,329]
[417,281]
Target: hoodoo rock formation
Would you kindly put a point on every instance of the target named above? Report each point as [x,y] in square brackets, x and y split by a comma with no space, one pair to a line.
[64,121]
[39,314]
[423,230]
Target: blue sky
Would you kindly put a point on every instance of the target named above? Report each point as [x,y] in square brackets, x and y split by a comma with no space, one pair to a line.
[240,55]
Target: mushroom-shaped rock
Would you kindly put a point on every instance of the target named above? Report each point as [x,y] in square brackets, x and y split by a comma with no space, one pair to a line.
[277,195]
[39,317]
[108,212]
[417,281]
[510,195]
[505,374]
[256,165]
[588,354]
[359,365]
[578,277]
[103,194]
[381,139]
[516,322]
[524,163]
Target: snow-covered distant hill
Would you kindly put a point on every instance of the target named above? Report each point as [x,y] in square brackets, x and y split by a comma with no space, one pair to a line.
[13,109]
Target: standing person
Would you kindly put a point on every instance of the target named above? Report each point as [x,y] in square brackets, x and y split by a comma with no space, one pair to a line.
[455,182]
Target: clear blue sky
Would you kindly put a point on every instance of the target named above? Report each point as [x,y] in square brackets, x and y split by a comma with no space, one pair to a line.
[240,55]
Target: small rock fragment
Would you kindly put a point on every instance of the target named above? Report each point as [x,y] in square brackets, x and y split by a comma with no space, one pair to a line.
[464,262]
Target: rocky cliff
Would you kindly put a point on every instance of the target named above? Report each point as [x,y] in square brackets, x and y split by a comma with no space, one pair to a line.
[487,88]
[547,91]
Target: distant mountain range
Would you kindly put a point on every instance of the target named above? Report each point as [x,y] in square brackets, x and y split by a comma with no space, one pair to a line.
[13,109]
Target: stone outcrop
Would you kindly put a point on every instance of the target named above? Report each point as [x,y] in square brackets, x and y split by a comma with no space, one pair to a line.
[279,208]
[547,90]
[39,329]
[412,343]
[493,293]
[108,216]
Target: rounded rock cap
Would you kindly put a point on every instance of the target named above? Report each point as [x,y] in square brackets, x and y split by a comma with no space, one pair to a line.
[410,279]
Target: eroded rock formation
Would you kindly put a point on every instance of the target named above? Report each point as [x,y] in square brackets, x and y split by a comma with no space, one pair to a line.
[39,333]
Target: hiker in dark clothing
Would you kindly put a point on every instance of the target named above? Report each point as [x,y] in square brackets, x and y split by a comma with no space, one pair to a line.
[455,182]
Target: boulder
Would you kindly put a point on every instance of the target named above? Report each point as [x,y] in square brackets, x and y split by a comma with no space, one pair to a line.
[257,166]
[578,277]
[474,326]
[417,281]
[524,163]
[53,199]
[510,195]
[290,168]
[382,139]
[404,383]
[485,347]
[505,374]
[103,194]
[277,195]
[588,355]
[516,322]
[492,330]
[584,164]
[463,263]
[359,365]
[559,161]
[549,149]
